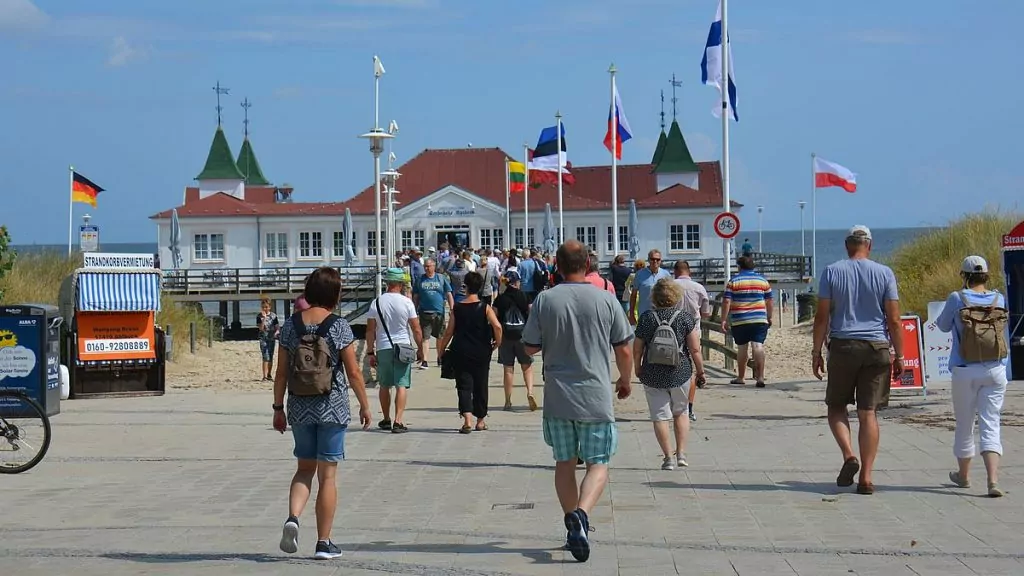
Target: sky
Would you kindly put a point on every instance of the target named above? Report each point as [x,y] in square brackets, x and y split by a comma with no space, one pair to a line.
[920,98]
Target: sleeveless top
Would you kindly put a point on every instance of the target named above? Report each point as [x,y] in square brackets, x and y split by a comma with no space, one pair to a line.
[473,334]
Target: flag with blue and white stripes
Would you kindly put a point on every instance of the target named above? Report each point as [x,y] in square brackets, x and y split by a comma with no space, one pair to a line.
[711,65]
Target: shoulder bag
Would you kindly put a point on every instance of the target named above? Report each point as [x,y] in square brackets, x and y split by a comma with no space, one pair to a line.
[403,353]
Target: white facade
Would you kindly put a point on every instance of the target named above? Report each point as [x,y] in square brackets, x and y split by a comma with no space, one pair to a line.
[304,240]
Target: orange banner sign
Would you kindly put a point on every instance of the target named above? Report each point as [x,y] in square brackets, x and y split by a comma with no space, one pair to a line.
[116,336]
[913,367]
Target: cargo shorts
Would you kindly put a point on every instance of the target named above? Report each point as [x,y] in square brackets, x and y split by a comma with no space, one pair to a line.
[859,372]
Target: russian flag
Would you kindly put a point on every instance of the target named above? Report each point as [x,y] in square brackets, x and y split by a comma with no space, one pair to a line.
[711,65]
[617,121]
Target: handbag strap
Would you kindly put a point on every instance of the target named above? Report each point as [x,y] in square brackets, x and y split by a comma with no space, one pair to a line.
[380,316]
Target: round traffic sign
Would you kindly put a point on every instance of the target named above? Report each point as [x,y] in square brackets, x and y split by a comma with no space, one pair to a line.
[727,225]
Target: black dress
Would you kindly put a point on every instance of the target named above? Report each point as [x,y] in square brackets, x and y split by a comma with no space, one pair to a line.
[472,345]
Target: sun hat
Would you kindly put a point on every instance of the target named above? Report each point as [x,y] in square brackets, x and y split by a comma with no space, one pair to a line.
[974,264]
[394,275]
[861,231]
[512,276]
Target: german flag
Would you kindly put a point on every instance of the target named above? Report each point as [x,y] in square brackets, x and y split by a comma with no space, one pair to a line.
[84,190]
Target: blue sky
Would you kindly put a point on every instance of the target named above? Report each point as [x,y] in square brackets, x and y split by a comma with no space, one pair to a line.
[921,99]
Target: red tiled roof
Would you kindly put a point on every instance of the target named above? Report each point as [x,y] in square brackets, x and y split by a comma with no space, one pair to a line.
[480,171]
[221,204]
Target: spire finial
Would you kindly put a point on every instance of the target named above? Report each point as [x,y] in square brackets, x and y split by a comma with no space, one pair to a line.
[245,106]
[662,110]
[675,84]
[219,90]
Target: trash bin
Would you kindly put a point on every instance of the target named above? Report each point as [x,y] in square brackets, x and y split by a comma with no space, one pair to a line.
[805,306]
[30,352]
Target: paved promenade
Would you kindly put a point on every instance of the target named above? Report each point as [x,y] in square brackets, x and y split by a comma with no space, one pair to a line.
[195,483]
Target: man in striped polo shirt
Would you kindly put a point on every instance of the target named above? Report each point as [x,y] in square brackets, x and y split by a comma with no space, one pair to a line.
[747,309]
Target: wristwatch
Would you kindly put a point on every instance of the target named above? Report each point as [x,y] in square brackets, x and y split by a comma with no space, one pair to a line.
[277,407]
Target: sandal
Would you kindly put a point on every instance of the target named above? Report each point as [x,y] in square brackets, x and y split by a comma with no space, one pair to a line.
[384,424]
[399,428]
[738,382]
[466,429]
[480,428]
[960,482]
[866,489]
[533,402]
[994,491]
[759,384]
[847,472]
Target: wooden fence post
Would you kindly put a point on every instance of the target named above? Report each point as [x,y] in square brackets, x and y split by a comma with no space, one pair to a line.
[705,351]
[169,351]
[209,333]
[192,337]
[730,364]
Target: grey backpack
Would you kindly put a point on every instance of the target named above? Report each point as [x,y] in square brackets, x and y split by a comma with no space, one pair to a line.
[663,348]
[313,363]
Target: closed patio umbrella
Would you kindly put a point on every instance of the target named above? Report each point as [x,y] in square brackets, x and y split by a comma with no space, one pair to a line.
[175,244]
[550,232]
[634,231]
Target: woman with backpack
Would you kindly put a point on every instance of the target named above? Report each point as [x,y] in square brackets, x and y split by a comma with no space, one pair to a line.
[473,332]
[513,310]
[977,317]
[666,353]
[317,366]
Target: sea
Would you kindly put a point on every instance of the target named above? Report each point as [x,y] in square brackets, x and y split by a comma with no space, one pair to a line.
[791,242]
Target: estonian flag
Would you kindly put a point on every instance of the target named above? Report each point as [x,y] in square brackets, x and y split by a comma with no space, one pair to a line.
[711,65]
[544,159]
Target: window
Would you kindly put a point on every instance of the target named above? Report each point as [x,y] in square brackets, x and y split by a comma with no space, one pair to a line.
[338,245]
[371,242]
[517,235]
[684,238]
[311,244]
[412,239]
[277,246]
[419,237]
[591,240]
[491,238]
[208,247]
[623,240]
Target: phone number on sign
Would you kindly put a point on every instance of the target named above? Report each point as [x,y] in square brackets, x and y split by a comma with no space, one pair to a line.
[122,345]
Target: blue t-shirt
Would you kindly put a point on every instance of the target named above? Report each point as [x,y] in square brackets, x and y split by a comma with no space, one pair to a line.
[432,292]
[527,267]
[858,289]
[949,319]
[415,271]
[643,283]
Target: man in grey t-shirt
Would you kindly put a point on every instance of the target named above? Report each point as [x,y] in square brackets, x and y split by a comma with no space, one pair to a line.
[859,310]
[577,326]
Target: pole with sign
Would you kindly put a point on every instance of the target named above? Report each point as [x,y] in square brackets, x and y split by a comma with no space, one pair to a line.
[88,236]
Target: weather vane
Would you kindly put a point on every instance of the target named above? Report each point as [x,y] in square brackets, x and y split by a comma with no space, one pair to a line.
[245,106]
[675,84]
[219,91]
[662,110]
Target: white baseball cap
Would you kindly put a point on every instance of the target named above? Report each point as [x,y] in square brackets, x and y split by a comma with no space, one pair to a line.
[860,230]
[973,264]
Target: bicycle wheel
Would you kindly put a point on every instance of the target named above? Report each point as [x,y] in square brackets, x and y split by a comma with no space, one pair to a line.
[24,432]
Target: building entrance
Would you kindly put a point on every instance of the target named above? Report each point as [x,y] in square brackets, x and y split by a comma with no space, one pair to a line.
[457,237]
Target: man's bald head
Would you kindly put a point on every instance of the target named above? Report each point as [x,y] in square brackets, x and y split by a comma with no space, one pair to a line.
[572,258]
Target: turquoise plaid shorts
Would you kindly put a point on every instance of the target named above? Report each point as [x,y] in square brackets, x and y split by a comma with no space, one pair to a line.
[594,442]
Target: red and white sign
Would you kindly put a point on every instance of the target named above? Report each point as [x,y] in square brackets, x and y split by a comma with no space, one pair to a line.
[913,359]
[727,225]
[1015,239]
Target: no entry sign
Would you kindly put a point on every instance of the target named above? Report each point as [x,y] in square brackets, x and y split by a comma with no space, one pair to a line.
[727,225]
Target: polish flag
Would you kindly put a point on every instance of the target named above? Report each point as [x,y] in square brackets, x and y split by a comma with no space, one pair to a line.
[831,174]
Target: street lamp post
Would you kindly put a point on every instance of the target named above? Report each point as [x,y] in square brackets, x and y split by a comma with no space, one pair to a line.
[760,212]
[376,138]
[803,248]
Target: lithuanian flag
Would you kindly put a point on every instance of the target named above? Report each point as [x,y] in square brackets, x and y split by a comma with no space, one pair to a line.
[83,190]
[516,177]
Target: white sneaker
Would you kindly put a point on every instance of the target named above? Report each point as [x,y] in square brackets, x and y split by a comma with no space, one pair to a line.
[667,464]
[681,460]
[290,536]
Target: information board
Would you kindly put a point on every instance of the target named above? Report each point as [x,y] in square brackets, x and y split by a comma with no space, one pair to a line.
[89,238]
[937,346]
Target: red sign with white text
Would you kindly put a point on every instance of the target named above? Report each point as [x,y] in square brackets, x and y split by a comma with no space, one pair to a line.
[913,359]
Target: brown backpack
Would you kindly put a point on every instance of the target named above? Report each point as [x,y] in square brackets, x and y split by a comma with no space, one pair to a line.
[984,336]
[314,361]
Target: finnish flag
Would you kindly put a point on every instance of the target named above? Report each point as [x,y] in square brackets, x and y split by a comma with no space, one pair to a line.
[711,65]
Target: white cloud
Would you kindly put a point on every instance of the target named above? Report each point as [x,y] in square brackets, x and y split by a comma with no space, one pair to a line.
[21,15]
[122,52]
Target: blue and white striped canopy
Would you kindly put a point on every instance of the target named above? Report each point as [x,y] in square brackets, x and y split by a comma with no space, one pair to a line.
[118,292]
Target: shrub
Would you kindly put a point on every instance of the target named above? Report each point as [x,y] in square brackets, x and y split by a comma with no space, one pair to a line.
[36,279]
[928,268]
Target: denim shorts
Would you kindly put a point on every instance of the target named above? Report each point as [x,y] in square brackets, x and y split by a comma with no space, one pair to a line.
[747,333]
[322,442]
[267,349]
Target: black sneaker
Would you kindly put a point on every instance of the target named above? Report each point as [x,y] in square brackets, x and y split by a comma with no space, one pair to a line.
[326,550]
[577,523]
[399,428]
[290,535]
[384,424]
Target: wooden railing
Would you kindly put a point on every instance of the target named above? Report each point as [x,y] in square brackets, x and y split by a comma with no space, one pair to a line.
[776,267]
[252,280]
[707,345]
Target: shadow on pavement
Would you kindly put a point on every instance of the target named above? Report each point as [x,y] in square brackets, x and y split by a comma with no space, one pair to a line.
[772,417]
[181,557]
[823,488]
[481,465]
[538,556]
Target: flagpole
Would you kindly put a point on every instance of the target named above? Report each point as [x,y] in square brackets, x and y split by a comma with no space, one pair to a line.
[508,196]
[71,204]
[526,198]
[726,203]
[558,145]
[814,218]
[614,120]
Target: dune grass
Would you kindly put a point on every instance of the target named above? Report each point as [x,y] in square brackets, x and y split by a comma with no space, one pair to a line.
[36,279]
[928,268]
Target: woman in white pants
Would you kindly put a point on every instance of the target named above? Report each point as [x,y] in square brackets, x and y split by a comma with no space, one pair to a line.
[978,386]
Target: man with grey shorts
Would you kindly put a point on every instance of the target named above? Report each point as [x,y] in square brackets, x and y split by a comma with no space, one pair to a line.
[430,294]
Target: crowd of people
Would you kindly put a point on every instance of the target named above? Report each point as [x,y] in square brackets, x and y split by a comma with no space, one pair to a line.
[643,318]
